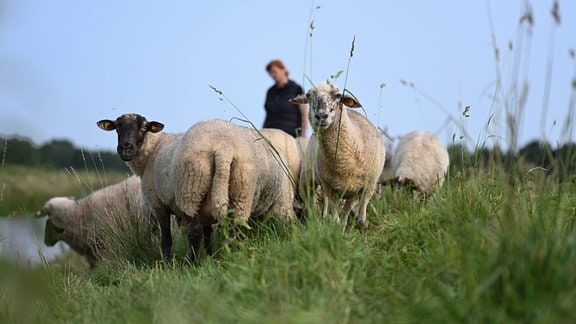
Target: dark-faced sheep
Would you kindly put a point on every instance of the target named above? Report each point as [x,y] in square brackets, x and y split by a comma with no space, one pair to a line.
[213,171]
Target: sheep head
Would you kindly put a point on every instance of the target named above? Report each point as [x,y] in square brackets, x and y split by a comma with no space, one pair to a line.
[55,208]
[52,233]
[132,130]
[325,101]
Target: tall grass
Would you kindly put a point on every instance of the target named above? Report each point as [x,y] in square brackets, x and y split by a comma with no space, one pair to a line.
[459,257]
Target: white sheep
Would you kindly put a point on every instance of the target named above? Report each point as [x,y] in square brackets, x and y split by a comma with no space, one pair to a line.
[214,170]
[290,147]
[81,222]
[420,161]
[346,152]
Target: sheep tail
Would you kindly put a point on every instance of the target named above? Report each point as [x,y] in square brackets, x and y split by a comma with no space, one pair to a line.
[221,183]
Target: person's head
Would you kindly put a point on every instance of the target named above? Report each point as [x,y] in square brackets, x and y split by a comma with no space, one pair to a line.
[277,71]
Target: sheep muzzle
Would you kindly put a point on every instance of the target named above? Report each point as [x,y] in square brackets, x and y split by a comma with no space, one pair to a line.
[127,151]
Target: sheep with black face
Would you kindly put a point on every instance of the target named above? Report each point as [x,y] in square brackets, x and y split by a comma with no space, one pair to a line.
[214,170]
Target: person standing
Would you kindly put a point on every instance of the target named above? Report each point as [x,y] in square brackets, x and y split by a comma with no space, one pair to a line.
[280,113]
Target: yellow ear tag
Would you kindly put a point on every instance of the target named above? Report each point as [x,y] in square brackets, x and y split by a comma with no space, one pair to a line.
[348,102]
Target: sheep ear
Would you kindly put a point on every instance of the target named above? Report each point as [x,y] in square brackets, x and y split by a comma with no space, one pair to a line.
[155,127]
[299,99]
[350,102]
[106,125]
[41,213]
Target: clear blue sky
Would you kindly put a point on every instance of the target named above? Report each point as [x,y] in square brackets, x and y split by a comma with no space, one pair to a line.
[66,64]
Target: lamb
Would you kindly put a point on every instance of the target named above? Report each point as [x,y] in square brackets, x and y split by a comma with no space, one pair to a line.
[420,161]
[213,171]
[80,223]
[346,152]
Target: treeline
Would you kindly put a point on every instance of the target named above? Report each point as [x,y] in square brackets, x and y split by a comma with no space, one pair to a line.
[57,154]
[559,161]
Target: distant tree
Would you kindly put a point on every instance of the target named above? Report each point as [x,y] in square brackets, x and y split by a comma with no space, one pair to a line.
[58,153]
[537,153]
[111,160]
[565,161]
[20,151]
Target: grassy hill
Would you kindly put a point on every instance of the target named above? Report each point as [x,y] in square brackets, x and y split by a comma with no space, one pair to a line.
[491,246]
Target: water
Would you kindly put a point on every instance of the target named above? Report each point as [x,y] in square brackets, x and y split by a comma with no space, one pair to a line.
[22,241]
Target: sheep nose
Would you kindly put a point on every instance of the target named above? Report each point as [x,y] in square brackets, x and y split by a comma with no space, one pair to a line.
[126,146]
[321,116]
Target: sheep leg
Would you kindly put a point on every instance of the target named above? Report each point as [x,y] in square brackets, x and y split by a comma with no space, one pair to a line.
[362,210]
[334,210]
[326,208]
[195,233]
[348,206]
[163,217]
[207,229]
[92,260]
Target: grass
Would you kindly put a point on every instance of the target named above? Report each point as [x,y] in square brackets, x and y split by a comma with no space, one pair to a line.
[479,251]
[23,190]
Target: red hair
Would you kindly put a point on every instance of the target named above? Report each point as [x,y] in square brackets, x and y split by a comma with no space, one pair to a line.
[276,63]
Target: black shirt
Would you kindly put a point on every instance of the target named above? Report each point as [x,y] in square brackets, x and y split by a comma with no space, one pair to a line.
[280,113]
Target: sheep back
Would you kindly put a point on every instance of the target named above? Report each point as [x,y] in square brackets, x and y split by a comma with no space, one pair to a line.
[227,162]
[421,158]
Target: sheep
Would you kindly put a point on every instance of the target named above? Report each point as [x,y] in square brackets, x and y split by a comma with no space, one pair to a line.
[290,147]
[80,222]
[420,161]
[346,152]
[293,149]
[214,170]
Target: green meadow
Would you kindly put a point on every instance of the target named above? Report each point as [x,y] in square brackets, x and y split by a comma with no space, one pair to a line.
[491,246]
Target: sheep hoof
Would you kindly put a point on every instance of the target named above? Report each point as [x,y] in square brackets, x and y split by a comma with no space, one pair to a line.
[166,254]
[192,258]
[362,225]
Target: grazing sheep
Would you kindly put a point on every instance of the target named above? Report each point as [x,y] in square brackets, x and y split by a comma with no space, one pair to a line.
[346,151]
[80,223]
[420,161]
[214,170]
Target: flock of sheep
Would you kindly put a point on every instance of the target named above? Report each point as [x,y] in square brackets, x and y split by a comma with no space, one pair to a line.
[218,171]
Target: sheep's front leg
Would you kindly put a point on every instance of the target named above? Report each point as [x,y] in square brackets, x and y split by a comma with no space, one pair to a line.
[348,206]
[163,217]
[326,208]
[195,233]
[362,210]
[334,210]
[207,229]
